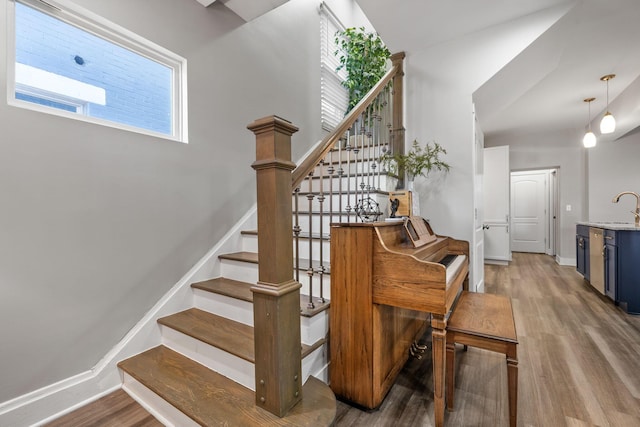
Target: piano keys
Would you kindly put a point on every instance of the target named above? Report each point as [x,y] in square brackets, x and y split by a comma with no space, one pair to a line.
[387,279]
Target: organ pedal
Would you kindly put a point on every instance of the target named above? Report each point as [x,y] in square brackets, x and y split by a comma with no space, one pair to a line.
[416,350]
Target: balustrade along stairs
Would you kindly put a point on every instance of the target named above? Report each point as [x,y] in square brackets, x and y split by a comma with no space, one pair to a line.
[253,348]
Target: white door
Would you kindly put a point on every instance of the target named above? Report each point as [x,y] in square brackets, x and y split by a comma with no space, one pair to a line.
[529,211]
[476,263]
[496,204]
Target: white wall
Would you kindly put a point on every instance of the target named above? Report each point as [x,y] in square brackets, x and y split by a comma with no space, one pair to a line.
[98,223]
[613,167]
[445,199]
[565,151]
[439,107]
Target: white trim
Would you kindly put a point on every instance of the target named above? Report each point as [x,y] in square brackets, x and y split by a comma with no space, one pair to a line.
[571,262]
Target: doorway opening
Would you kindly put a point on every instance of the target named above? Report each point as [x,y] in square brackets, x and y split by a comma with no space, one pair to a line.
[534,210]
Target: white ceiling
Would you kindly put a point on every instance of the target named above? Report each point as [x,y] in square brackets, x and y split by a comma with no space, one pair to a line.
[558,63]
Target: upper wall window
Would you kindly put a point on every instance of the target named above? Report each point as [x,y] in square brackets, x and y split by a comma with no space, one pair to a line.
[333,96]
[70,62]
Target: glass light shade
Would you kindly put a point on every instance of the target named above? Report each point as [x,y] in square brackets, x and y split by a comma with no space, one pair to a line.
[589,139]
[608,123]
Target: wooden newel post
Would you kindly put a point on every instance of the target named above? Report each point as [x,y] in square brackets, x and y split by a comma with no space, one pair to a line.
[276,296]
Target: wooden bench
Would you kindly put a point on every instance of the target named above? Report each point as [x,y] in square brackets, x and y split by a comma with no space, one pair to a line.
[484,321]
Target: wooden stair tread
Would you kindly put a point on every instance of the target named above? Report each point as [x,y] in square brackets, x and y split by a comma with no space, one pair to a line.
[228,335]
[242,291]
[229,287]
[211,399]
[252,257]
[243,256]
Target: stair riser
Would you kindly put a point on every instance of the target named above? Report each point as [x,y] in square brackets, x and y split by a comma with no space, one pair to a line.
[327,220]
[304,246]
[248,272]
[370,150]
[316,364]
[250,244]
[311,329]
[233,367]
[224,306]
[157,406]
[238,270]
[332,202]
[374,181]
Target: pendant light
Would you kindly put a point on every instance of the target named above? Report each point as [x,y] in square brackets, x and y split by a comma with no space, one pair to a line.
[589,139]
[608,123]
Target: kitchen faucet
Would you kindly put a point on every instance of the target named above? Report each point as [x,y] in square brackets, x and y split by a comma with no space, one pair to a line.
[637,212]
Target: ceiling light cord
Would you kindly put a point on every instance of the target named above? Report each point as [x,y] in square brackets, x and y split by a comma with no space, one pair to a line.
[589,140]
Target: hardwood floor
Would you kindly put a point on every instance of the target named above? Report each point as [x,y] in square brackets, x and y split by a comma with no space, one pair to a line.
[579,361]
[579,365]
[117,409]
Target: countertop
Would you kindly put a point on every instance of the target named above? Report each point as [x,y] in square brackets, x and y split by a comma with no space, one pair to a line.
[613,225]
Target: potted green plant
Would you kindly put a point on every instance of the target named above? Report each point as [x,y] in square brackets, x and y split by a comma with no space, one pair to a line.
[417,161]
[364,57]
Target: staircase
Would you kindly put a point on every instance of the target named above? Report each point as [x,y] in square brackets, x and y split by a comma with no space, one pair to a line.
[204,371]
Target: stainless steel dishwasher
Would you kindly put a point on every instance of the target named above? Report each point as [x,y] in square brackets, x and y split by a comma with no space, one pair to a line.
[596,258]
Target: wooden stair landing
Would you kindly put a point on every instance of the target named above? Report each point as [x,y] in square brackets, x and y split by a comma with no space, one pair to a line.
[211,399]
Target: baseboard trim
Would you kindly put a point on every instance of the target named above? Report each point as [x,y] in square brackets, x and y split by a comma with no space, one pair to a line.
[571,262]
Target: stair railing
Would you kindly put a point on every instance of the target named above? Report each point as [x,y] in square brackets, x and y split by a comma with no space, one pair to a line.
[373,127]
[349,157]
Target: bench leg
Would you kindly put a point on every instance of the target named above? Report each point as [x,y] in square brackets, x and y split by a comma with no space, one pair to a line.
[512,377]
[451,373]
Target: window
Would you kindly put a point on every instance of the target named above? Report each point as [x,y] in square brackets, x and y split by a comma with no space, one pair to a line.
[70,62]
[334,97]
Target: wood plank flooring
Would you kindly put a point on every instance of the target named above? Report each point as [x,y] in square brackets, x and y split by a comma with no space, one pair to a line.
[116,409]
[579,364]
[579,361]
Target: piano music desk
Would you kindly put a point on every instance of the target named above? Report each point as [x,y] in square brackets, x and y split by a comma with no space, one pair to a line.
[484,321]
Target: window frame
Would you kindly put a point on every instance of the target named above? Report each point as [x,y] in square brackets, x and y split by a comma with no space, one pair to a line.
[92,23]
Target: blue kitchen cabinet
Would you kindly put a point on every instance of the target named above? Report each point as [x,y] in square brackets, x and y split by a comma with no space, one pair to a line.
[610,253]
[628,270]
[582,250]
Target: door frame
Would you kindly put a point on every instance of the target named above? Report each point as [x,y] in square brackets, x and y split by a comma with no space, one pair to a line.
[551,197]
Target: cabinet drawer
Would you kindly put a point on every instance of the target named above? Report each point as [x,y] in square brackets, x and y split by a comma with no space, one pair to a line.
[582,230]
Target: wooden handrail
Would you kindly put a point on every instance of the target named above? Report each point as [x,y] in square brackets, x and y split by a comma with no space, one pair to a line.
[310,162]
